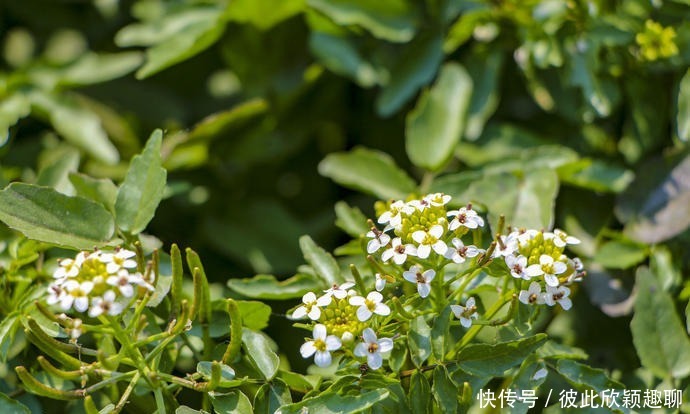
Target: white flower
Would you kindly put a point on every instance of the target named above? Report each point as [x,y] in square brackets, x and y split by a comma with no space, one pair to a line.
[372,347]
[419,205]
[558,295]
[380,282]
[55,293]
[69,267]
[506,245]
[378,239]
[465,216]
[122,258]
[423,280]
[517,266]
[393,216]
[398,252]
[523,236]
[369,306]
[75,331]
[311,307]
[437,199]
[547,267]
[105,304]
[465,313]
[321,346]
[532,295]
[428,240]
[561,238]
[460,252]
[339,291]
[76,294]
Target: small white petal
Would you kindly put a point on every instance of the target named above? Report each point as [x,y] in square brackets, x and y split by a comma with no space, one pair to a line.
[356,301]
[307,349]
[424,289]
[322,358]
[385,344]
[362,349]
[363,313]
[374,360]
[382,309]
[333,343]
[320,331]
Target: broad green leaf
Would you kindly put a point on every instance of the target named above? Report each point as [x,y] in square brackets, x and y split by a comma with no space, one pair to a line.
[668,271]
[227,374]
[553,349]
[161,290]
[485,93]
[445,392]
[189,40]
[11,406]
[55,175]
[436,124]
[341,56]
[683,105]
[142,190]
[658,334]
[234,402]
[392,20]
[583,376]
[596,175]
[255,315]
[43,214]
[299,382]
[350,219]
[420,393]
[415,68]
[487,360]
[368,171]
[8,328]
[271,396]
[101,190]
[321,261]
[183,409]
[525,380]
[621,254]
[439,334]
[12,109]
[419,341]
[92,68]
[267,287]
[263,14]
[259,350]
[331,403]
[76,124]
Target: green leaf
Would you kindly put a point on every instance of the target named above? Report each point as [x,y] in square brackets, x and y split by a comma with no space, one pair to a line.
[445,392]
[142,190]
[524,380]
[439,334]
[583,376]
[369,171]
[55,174]
[12,109]
[553,349]
[12,406]
[436,124]
[415,68]
[418,339]
[183,409]
[321,261]
[683,105]
[492,360]
[298,382]
[263,14]
[234,402]
[485,93]
[227,374]
[92,68]
[76,124]
[8,328]
[101,190]
[189,40]
[43,214]
[267,287]
[392,20]
[271,396]
[341,56]
[255,315]
[350,219]
[331,403]
[259,350]
[658,334]
[420,393]
[621,254]
[596,175]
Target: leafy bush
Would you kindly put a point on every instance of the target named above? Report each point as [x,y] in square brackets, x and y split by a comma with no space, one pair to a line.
[478,147]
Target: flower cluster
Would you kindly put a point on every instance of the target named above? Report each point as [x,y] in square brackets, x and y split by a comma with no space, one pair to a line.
[538,256]
[100,282]
[656,42]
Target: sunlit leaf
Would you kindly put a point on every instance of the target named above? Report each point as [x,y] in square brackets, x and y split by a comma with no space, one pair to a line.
[271,397]
[620,254]
[11,406]
[263,14]
[494,359]
[227,374]
[267,287]
[419,341]
[234,402]
[259,350]
[331,403]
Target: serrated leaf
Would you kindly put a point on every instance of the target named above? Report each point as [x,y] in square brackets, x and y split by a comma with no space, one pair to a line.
[321,261]
[331,403]
[227,374]
[683,105]
[43,214]
[418,339]
[491,360]
[369,171]
[234,402]
[142,190]
[11,406]
[445,392]
[259,350]
[583,376]
[658,334]
[271,397]
[436,124]
[416,67]
[267,287]
[621,254]
[392,20]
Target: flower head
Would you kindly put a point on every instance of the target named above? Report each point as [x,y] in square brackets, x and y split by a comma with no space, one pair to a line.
[105,304]
[378,240]
[398,252]
[466,217]
[533,295]
[428,240]
[517,266]
[558,295]
[393,216]
[321,346]
[121,258]
[372,347]
[547,267]
[465,313]
[422,279]
[311,306]
[459,252]
[369,306]
[561,238]
[339,291]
